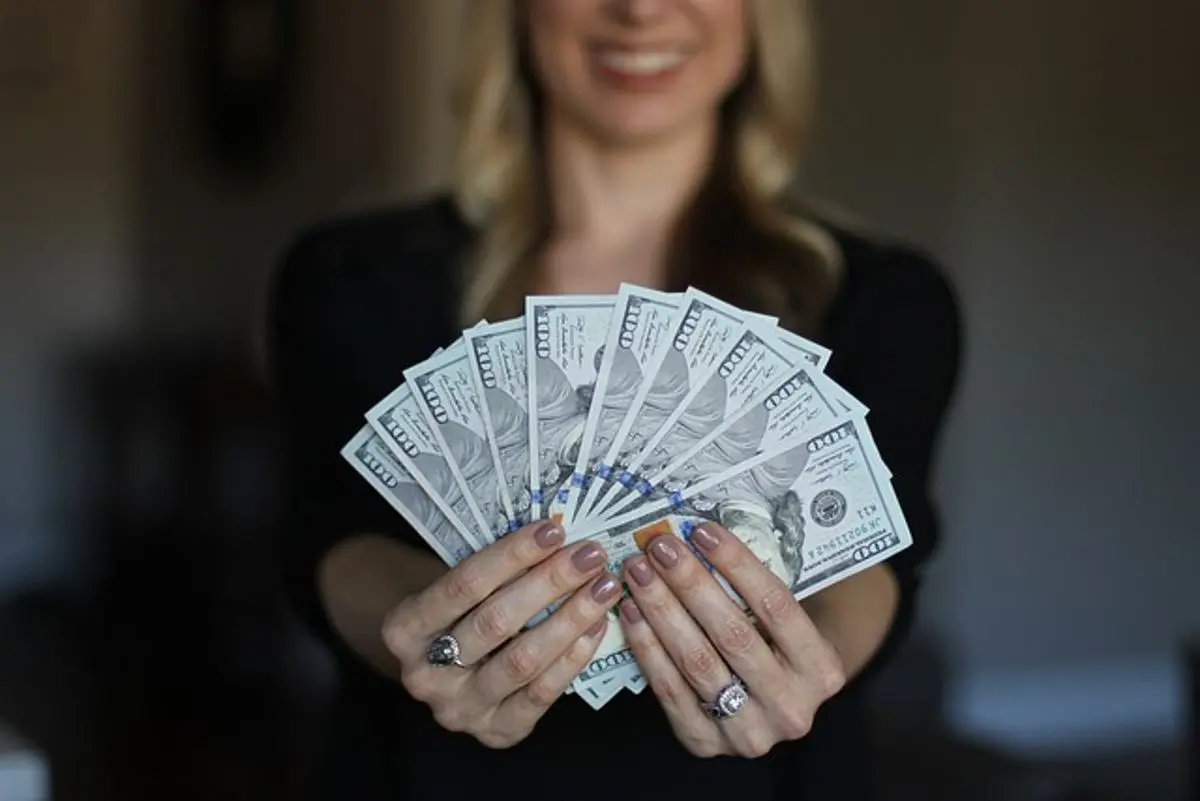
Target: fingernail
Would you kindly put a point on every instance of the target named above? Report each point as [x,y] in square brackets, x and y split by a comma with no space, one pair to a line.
[605,588]
[550,535]
[641,572]
[588,558]
[664,552]
[630,611]
[706,538]
[596,630]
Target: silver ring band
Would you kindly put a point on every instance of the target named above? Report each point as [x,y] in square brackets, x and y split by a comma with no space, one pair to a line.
[731,700]
[444,651]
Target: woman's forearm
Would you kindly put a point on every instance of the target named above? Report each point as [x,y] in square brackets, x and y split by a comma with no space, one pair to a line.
[855,615]
[361,580]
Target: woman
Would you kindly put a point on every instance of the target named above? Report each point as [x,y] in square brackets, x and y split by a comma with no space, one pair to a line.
[602,141]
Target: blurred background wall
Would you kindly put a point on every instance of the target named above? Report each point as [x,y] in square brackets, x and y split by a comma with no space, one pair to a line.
[1043,151]
[68,230]
[117,226]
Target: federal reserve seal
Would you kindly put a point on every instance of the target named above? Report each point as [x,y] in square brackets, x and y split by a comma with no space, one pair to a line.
[828,508]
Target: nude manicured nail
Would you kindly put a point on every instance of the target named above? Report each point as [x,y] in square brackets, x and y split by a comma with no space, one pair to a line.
[596,630]
[550,535]
[664,552]
[605,588]
[630,611]
[588,558]
[706,538]
[641,572]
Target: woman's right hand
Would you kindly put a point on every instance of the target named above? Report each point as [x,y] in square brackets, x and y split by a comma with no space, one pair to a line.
[508,678]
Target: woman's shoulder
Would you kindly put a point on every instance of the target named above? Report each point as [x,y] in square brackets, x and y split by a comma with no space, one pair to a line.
[892,285]
[882,267]
[874,267]
[418,239]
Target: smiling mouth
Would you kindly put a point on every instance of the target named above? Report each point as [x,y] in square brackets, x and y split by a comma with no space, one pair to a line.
[639,62]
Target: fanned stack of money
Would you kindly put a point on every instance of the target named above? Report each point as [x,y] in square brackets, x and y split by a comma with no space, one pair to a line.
[625,417]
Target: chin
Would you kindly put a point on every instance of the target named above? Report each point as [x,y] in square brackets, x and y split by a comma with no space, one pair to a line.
[643,130]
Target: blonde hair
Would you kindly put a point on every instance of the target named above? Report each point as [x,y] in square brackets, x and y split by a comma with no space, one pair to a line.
[499,191]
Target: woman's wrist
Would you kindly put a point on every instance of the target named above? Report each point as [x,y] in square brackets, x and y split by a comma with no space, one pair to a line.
[361,581]
[855,615]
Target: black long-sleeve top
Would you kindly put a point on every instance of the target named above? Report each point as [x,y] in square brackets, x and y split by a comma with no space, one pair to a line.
[357,300]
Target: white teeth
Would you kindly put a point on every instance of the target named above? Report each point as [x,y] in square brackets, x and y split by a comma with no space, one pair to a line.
[640,63]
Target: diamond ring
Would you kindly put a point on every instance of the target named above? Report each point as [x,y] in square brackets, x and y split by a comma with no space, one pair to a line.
[731,700]
[444,651]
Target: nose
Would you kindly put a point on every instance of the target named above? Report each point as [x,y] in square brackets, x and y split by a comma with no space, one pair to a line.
[638,11]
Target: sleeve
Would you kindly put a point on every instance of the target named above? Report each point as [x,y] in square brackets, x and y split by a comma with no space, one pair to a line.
[906,370]
[319,328]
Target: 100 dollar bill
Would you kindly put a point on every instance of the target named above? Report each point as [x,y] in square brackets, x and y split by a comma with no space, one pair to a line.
[747,368]
[401,424]
[700,332]
[640,323]
[499,367]
[445,391]
[799,400]
[385,472]
[565,339]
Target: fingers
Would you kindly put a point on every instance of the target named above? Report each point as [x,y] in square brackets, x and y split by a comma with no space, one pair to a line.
[523,662]
[523,709]
[688,647]
[466,585]
[726,625]
[691,650]
[784,619]
[691,725]
[504,613]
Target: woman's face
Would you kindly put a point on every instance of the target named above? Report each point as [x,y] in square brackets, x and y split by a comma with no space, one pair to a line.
[634,71]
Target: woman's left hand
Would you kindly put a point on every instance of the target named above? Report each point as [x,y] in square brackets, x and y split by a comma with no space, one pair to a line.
[692,642]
